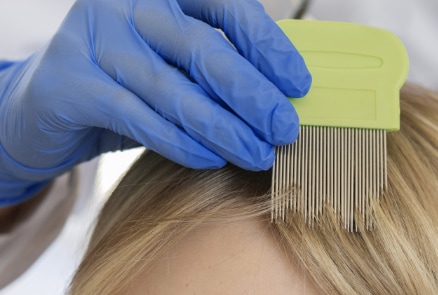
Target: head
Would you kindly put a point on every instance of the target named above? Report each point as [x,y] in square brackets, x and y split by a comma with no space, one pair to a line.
[167,229]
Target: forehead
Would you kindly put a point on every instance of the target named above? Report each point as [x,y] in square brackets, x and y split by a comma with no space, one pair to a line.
[239,257]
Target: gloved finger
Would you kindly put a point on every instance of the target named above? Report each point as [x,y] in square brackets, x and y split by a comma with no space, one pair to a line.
[113,107]
[171,93]
[221,71]
[111,141]
[257,38]
[94,143]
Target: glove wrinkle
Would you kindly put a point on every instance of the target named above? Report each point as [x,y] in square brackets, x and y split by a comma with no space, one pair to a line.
[159,74]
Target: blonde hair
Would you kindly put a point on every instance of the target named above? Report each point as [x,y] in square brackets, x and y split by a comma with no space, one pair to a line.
[159,202]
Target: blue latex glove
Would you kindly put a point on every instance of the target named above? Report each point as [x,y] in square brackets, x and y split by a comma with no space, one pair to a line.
[119,73]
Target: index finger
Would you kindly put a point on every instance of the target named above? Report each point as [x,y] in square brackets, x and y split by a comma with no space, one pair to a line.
[214,64]
[256,36]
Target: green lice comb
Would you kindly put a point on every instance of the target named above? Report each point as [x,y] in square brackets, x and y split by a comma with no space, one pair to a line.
[339,159]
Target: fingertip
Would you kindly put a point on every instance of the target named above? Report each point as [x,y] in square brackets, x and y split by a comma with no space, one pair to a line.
[295,79]
[262,158]
[285,66]
[285,125]
[264,163]
[214,164]
[301,85]
[210,162]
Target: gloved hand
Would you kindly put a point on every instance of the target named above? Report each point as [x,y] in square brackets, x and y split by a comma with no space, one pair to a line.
[119,73]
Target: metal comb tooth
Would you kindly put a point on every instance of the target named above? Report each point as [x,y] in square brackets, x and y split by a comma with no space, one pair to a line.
[344,168]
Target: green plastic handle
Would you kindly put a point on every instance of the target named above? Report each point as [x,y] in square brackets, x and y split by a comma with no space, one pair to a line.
[357,74]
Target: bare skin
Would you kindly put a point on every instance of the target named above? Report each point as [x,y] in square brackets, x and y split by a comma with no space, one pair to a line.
[240,257]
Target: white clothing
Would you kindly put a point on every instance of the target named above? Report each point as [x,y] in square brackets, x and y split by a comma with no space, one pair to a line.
[25,242]
[63,217]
